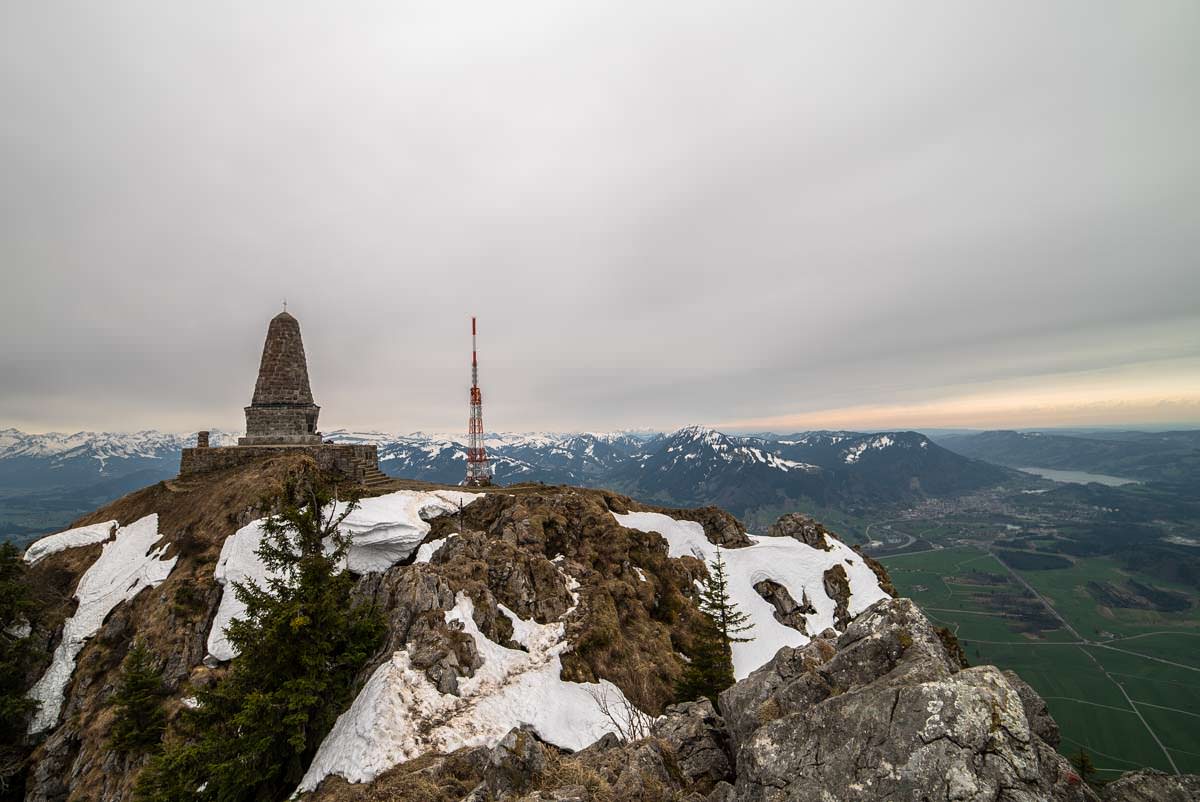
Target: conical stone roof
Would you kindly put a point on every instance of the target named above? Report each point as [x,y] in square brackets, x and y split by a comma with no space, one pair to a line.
[283,372]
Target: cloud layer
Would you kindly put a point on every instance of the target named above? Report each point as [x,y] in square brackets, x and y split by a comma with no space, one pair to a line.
[661,212]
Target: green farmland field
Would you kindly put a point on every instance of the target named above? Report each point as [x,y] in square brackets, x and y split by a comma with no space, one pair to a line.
[1125,685]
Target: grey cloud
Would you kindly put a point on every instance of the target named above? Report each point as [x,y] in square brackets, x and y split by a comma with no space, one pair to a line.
[661,212]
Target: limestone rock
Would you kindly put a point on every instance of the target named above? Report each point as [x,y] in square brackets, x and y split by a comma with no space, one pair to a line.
[792,673]
[884,713]
[1035,710]
[699,739]
[414,600]
[649,770]
[1148,785]
[722,792]
[514,764]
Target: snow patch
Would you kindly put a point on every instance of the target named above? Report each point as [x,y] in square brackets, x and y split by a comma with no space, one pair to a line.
[855,451]
[797,566]
[238,562]
[385,529]
[399,714]
[72,538]
[427,550]
[125,566]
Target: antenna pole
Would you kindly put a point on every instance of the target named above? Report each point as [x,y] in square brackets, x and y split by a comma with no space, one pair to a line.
[478,472]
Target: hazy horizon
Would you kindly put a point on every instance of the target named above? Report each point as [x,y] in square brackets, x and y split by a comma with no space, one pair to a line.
[768,216]
[742,431]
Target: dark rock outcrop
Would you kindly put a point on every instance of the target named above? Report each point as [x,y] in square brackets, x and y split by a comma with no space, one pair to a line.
[885,580]
[523,580]
[720,527]
[799,526]
[837,587]
[414,599]
[883,712]
[788,611]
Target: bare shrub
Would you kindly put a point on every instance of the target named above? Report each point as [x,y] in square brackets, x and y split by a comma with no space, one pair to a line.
[629,721]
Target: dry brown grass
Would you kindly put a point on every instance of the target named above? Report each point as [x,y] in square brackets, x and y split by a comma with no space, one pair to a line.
[624,629]
[195,518]
[428,778]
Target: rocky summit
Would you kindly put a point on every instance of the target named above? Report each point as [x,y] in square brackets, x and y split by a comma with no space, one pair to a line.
[533,642]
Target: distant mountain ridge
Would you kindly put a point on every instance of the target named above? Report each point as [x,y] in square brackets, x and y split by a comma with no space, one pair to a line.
[60,448]
[67,474]
[701,465]
[1166,457]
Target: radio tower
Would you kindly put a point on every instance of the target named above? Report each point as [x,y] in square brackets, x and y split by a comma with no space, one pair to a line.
[478,474]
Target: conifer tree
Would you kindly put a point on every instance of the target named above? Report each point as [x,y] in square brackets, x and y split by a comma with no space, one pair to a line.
[1084,765]
[17,654]
[140,720]
[711,668]
[300,644]
[716,604]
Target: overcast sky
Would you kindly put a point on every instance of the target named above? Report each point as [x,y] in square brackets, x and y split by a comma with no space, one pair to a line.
[784,215]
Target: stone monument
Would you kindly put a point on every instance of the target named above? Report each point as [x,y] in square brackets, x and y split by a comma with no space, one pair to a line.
[282,418]
[282,410]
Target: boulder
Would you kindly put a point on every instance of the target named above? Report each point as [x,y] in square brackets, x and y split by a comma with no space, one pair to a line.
[649,770]
[700,741]
[514,765]
[1149,785]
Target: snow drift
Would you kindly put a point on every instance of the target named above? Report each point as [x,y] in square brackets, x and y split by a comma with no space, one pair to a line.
[797,566]
[127,564]
[400,715]
[61,541]
[385,530]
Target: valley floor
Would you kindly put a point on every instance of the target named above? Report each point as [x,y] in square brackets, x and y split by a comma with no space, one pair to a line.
[1123,683]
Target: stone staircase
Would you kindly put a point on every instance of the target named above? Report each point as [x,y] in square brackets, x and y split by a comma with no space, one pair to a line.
[370,473]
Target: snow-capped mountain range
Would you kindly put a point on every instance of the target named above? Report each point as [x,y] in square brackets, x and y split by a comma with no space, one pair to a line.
[693,465]
[99,446]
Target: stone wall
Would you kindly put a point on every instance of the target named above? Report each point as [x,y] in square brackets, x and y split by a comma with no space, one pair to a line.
[284,425]
[351,460]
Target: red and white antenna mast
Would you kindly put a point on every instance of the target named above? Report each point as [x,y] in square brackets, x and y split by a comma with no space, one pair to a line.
[478,472]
